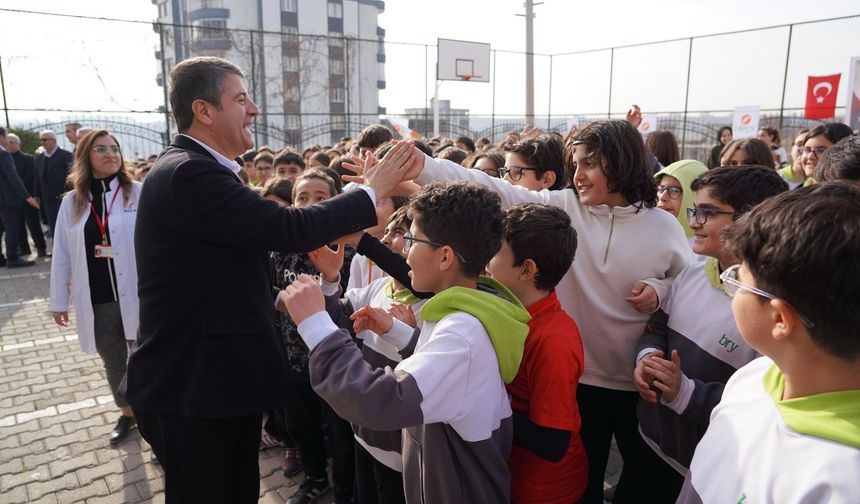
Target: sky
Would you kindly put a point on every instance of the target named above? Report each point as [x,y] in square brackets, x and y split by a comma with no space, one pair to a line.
[82,64]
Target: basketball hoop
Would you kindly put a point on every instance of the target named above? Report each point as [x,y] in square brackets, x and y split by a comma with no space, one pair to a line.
[466,77]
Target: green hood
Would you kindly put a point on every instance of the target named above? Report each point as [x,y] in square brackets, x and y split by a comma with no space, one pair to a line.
[832,415]
[501,313]
[685,171]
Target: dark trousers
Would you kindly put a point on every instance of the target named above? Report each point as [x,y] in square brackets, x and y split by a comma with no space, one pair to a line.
[604,413]
[212,460]
[306,413]
[666,482]
[375,482]
[11,217]
[52,210]
[30,221]
[111,345]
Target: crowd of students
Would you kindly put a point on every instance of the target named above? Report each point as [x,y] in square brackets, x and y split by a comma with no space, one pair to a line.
[527,302]
[520,305]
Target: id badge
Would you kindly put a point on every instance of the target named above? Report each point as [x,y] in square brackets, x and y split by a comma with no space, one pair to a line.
[103,252]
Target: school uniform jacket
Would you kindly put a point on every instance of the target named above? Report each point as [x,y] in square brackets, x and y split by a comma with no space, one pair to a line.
[207,344]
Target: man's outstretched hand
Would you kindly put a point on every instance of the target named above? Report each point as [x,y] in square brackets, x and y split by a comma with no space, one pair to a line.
[302,298]
[403,162]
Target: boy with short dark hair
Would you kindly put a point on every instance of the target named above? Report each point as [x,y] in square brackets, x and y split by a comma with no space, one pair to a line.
[840,162]
[536,163]
[548,462]
[692,345]
[788,426]
[289,164]
[373,137]
[264,167]
[448,395]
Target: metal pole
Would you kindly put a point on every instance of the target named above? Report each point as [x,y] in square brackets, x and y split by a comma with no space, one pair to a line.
[347,83]
[785,76]
[530,63]
[263,101]
[3,88]
[549,99]
[493,121]
[164,86]
[436,110]
[687,98]
[611,64]
[426,85]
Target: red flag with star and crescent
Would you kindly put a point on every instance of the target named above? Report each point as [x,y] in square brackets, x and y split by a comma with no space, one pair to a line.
[821,96]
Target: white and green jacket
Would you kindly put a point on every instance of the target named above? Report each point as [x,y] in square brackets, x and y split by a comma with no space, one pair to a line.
[762,449]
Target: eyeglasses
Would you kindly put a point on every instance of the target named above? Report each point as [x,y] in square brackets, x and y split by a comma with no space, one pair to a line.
[733,285]
[264,169]
[817,150]
[103,149]
[514,172]
[675,192]
[701,215]
[409,239]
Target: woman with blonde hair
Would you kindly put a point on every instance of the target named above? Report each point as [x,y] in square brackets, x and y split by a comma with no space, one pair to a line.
[94,260]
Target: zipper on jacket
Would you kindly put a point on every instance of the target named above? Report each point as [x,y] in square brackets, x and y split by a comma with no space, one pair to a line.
[609,238]
[109,260]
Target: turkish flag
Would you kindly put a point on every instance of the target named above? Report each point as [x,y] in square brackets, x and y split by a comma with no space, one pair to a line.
[821,96]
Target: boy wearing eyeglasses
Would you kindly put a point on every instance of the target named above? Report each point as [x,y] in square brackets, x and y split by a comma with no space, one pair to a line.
[536,164]
[692,345]
[788,427]
[448,394]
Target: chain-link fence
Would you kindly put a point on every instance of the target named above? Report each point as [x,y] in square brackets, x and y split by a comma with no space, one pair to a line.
[315,89]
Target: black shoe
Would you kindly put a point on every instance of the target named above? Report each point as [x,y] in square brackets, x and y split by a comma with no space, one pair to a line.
[309,490]
[120,432]
[24,252]
[19,263]
[43,253]
[2,261]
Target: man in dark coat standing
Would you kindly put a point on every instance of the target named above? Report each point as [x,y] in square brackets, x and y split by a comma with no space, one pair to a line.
[26,168]
[12,195]
[209,361]
[52,169]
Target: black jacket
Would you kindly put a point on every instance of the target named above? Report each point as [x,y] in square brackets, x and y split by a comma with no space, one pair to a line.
[51,173]
[207,340]
[24,164]
[12,190]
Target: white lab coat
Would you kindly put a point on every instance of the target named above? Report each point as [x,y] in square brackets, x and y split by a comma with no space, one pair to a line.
[69,276]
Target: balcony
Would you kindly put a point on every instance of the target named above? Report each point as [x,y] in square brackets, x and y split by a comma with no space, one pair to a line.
[380,84]
[380,31]
[208,13]
[380,57]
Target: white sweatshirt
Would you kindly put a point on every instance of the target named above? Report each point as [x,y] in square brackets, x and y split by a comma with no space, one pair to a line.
[617,247]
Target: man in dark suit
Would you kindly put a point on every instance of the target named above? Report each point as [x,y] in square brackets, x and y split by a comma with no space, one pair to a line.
[12,195]
[52,169]
[29,215]
[209,361]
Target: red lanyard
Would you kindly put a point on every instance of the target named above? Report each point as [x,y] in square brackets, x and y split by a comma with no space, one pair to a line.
[103,225]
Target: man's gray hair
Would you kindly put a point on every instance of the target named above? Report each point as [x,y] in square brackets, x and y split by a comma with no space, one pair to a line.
[11,136]
[48,133]
[200,78]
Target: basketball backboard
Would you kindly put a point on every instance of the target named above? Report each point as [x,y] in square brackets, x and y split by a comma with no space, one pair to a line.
[463,61]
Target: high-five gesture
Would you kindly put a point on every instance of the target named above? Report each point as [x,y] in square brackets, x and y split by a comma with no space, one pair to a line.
[328,262]
[390,170]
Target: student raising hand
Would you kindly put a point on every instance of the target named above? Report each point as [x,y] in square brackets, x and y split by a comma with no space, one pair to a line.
[328,262]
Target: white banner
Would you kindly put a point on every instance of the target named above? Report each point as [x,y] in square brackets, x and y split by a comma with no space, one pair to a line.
[648,124]
[852,110]
[745,122]
[402,128]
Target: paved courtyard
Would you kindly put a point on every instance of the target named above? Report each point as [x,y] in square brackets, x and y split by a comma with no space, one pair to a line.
[56,414]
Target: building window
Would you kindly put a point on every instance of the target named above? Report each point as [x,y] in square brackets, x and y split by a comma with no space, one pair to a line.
[335,66]
[380,48]
[209,29]
[289,5]
[335,9]
[338,95]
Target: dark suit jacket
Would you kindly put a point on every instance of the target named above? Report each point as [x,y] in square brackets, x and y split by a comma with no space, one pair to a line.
[12,190]
[207,340]
[51,173]
[24,164]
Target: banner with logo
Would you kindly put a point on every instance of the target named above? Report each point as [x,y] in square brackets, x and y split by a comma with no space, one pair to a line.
[648,124]
[402,128]
[852,111]
[821,96]
[745,122]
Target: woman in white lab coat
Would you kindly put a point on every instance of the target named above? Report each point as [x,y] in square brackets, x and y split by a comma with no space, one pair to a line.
[93,265]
